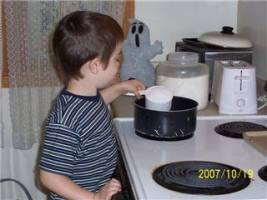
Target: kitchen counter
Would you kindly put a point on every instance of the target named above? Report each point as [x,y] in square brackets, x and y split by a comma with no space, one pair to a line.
[124,107]
[141,156]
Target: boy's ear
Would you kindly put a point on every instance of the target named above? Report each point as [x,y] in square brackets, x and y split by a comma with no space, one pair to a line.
[95,65]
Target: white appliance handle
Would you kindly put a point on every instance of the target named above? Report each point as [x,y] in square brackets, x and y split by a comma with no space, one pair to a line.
[262,99]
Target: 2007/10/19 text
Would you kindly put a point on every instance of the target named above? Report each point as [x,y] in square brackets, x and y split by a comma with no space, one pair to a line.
[225,173]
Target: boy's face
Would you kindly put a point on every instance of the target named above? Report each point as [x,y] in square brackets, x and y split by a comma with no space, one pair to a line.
[113,66]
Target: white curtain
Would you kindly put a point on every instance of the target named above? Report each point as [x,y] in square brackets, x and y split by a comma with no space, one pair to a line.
[1,67]
[33,81]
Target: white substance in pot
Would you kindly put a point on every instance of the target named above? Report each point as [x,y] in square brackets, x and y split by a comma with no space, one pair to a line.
[195,88]
[158,94]
[158,98]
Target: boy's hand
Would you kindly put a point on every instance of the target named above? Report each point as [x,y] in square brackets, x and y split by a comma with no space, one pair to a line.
[133,86]
[107,191]
[114,91]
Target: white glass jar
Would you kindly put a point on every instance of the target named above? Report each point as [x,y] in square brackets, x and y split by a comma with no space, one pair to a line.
[185,77]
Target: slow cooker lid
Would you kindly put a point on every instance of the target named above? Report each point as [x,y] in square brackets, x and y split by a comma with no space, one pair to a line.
[225,38]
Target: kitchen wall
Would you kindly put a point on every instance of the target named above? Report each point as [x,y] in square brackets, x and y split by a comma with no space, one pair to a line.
[252,22]
[170,21]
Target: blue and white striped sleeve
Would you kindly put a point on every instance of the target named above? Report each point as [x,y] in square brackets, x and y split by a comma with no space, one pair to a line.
[59,149]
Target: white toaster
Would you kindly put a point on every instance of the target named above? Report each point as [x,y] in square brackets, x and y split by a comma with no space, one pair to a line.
[234,87]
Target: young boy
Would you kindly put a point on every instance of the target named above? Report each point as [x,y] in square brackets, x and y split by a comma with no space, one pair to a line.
[79,152]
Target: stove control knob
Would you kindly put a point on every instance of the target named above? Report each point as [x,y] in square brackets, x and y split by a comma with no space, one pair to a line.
[241,102]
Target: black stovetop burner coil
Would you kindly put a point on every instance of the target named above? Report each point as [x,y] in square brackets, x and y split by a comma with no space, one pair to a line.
[263,173]
[200,177]
[237,128]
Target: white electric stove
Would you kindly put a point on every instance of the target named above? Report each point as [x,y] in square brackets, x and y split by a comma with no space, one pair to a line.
[142,156]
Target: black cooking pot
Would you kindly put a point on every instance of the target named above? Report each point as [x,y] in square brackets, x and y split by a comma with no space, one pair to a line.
[177,124]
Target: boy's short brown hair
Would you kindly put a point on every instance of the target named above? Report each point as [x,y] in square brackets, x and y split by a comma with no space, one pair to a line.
[82,36]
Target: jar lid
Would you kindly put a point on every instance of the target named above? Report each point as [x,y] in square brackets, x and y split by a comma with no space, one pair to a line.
[182,58]
[182,65]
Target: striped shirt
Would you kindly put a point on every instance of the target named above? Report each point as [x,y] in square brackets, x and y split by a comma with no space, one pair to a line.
[79,142]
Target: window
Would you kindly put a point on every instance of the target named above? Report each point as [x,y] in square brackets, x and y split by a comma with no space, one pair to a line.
[129,12]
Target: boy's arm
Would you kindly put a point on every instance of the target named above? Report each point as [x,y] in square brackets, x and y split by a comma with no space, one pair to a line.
[111,93]
[64,187]
[67,189]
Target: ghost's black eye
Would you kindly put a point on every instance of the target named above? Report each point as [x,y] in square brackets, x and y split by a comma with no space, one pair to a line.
[140,29]
[133,29]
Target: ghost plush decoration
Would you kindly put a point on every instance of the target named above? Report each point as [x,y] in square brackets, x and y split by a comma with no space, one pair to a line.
[137,53]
